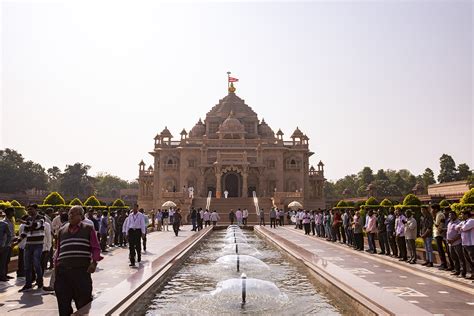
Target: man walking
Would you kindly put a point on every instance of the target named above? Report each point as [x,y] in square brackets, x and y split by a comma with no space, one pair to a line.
[34,234]
[135,227]
[78,252]
[272,218]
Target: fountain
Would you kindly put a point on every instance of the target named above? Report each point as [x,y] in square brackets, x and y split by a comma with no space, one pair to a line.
[250,263]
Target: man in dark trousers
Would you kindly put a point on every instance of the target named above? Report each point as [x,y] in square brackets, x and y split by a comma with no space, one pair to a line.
[78,252]
[135,227]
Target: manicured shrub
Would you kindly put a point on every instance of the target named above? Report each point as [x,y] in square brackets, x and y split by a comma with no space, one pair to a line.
[54,198]
[411,199]
[75,201]
[92,201]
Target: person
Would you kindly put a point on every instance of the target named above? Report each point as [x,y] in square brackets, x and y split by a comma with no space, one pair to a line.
[34,234]
[135,228]
[147,223]
[445,240]
[238,216]
[438,227]
[400,235]
[207,218]
[191,192]
[318,220]
[9,219]
[103,230]
[5,242]
[46,245]
[262,217]
[345,226]
[176,222]
[336,226]
[312,220]
[281,214]
[410,236]
[111,229]
[122,215]
[358,237]
[159,220]
[306,222]
[231,216]
[171,214]
[382,234]
[455,247]
[77,255]
[200,214]
[466,228]
[245,216]
[427,236]
[226,194]
[371,229]
[194,215]
[214,217]
[273,216]
[165,217]
[20,272]
[390,226]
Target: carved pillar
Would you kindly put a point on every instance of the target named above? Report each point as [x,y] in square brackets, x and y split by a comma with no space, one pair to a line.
[218,182]
[244,183]
[202,191]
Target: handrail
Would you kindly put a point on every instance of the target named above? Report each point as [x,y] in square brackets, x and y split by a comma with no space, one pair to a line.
[208,201]
[255,202]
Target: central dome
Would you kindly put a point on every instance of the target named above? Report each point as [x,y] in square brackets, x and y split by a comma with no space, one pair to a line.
[231,125]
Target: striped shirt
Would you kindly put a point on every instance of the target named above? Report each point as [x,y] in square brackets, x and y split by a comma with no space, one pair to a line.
[34,231]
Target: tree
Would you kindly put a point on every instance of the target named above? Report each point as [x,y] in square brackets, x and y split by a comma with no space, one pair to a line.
[464,172]
[109,186]
[366,176]
[447,171]
[75,182]
[428,178]
[381,176]
[18,175]
[54,176]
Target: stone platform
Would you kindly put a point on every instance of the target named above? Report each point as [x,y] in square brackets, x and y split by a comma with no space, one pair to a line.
[389,286]
[114,280]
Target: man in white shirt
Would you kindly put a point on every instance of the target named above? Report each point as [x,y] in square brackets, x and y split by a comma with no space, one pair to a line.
[226,194]
[245,215]
[134,227]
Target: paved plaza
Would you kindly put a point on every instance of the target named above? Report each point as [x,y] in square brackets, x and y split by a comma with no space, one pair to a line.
[112,278]
[430,289]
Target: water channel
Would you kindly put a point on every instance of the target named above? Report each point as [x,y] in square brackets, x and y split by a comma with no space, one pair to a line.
[210,281]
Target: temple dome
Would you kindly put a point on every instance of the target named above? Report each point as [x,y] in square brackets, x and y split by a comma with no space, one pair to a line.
[166,133]
[265,131]
[231,125]
[231,103]
[198,130]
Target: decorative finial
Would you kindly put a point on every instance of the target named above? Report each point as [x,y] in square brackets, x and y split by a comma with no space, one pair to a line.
[232,88]
[230,82]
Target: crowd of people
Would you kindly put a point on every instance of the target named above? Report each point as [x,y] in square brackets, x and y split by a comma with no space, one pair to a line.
[397,232]
[70,243]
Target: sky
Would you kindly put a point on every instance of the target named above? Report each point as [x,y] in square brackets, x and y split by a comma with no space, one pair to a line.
[385,84]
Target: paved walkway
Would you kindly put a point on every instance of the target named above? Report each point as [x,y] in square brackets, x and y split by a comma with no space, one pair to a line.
[434,291]
[111,271]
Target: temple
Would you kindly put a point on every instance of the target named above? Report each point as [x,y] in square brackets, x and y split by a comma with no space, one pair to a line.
[233,151]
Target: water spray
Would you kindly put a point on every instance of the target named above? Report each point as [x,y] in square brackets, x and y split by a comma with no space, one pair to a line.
[244,288]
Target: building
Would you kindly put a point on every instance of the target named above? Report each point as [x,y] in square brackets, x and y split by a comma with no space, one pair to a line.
[233,151]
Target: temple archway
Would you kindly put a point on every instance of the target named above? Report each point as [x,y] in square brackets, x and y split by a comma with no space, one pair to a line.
[232,182]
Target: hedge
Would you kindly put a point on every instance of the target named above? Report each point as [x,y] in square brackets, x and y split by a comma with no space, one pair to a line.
[92,201]
[386,203]
[444,204]
[54,198]
[75,201]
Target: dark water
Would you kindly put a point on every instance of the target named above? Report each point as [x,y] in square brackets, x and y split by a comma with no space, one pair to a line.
[208,282]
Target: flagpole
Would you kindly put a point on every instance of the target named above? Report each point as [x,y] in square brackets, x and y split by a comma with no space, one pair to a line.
[228,79]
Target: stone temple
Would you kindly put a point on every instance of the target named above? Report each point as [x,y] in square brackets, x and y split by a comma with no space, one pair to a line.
[233,151]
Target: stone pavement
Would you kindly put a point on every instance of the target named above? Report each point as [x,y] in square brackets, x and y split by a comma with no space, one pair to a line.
[111,271]
[430,289]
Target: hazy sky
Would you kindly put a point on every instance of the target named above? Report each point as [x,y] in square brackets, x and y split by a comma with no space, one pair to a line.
[386,84]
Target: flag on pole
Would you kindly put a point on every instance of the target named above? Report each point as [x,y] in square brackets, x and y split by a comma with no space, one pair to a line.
[232,79]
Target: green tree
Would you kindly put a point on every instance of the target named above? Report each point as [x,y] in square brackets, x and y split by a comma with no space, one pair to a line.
[428,178]
[109,186]
[75,182]
[54,176]
[464,172]
[447,171]
[381,176]
[366,176]
[18,175]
